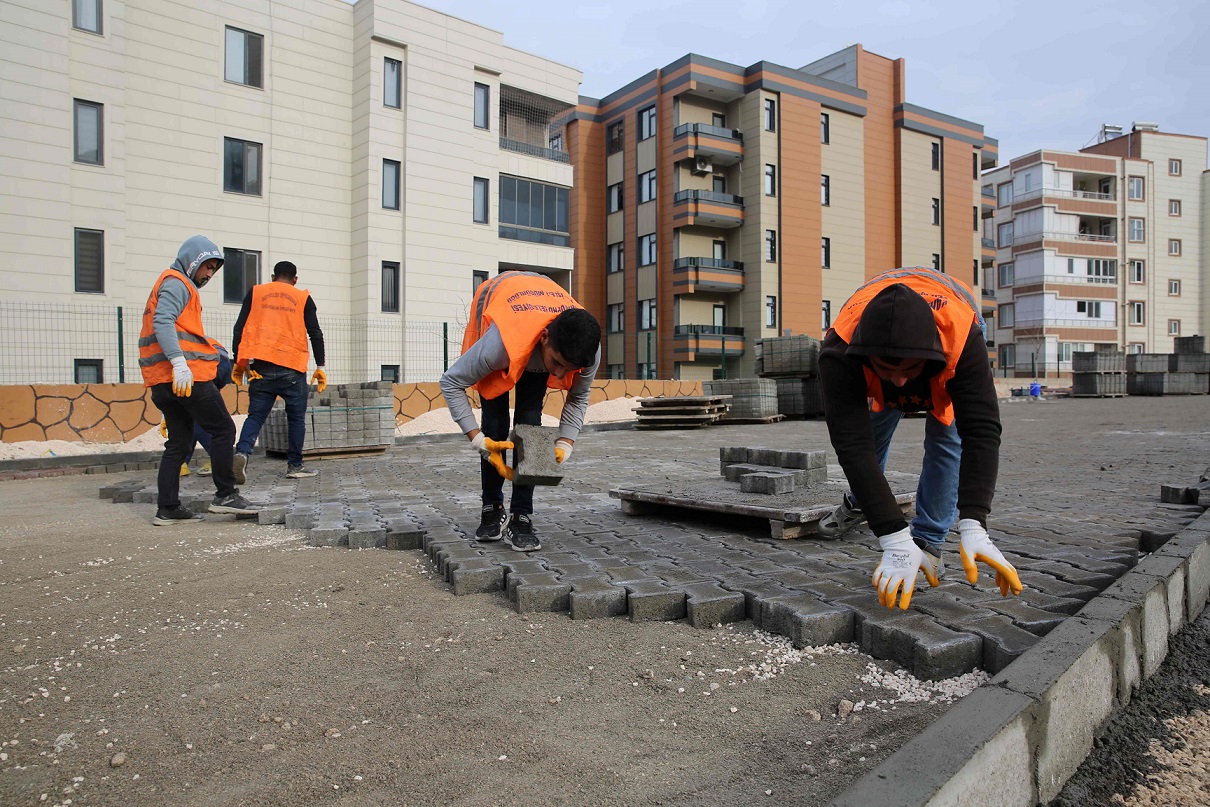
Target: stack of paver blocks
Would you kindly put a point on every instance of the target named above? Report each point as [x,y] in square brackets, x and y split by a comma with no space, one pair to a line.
[751,398]
[1152,374]
[347,417]
[771,470]
[1099,373]
[1191,357]
[793,363]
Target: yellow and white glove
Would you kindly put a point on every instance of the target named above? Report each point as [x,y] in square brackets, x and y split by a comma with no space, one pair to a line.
[164,428]
[492,451]
[976,546]
[563,448]
[237,373]
[895,577]
[321,379]
[182,378]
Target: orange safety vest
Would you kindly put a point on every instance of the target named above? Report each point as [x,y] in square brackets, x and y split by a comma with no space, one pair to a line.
[521,304]
[199,352]
[275,330]
[954,310]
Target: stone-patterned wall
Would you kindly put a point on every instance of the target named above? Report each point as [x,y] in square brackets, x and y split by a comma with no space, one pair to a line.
[115,413]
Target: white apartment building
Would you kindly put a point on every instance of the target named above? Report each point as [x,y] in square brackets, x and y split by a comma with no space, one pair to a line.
[1098,247]
[396,154]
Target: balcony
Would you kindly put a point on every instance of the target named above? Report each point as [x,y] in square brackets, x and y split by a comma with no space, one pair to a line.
[707,209]
[691,275]
[1043,323]
[719,146]
[697,342]
[533,150]
[1065,200]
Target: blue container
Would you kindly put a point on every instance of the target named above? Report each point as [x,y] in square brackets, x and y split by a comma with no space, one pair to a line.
[1035,390]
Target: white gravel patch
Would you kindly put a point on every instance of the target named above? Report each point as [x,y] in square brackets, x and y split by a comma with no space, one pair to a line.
[149,440]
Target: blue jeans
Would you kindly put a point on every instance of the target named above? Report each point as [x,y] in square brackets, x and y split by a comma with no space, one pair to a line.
[530,394]
[937,491]
[277,382]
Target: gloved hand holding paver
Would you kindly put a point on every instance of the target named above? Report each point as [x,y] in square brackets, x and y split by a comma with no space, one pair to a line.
[977,547]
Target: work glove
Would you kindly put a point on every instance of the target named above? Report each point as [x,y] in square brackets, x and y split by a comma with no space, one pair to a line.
[164,428]
[182,378]
[492,451]
[563,448]
[320,378]
[976,546]
[895,576]
[237,373]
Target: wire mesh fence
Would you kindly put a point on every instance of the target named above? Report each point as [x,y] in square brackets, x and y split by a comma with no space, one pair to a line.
[60,343]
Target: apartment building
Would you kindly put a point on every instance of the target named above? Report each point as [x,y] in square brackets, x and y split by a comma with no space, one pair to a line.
[746,202]
[1097,247]
[396,154]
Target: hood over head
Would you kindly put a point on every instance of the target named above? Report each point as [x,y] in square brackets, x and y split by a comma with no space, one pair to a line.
[193,253]
[897,324]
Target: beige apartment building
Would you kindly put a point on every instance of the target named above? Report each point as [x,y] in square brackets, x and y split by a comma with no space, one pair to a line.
[1097,247]
[748,202]
[396,154]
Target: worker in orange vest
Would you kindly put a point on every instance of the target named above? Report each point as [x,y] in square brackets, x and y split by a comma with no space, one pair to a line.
[913,340]
[525,333]
[271,333]
[179,364]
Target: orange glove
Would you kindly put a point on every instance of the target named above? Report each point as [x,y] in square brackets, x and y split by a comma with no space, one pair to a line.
[321,379]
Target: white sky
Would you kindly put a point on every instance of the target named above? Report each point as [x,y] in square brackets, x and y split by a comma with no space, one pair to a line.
[1035,74]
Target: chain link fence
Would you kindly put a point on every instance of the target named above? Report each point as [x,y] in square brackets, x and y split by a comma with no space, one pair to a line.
[61,343]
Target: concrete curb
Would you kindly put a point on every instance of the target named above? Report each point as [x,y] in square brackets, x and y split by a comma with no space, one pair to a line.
[1017,739]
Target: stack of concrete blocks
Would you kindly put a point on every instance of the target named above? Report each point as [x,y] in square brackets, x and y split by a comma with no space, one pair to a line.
[751,398]
[1191,357]
[1150,374]
[1098,374]
[771,470]
[347,417]
[793,363]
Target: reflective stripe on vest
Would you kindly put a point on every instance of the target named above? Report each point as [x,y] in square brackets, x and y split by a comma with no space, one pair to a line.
[197,349]
[276,330]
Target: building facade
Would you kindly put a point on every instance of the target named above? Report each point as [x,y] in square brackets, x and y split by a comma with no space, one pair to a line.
[741,203]
[1101,247]
[397,155]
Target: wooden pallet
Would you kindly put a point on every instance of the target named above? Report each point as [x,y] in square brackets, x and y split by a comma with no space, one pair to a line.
[682,412]
[730,421]
[336,453]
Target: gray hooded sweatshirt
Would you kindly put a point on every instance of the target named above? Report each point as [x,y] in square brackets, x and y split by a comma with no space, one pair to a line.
[174,291]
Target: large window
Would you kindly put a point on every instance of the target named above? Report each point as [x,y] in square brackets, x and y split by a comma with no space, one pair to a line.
[1007,274]
[770,312]
[86,15]
[1138,230]
[770,180]
[615,137]
[613,198]
[483,104]
[1004,194]
[647,186]
[936,156]
[647,122]
[647,318]
[825,189]
[825,128]
[89,132]
[1006,315]
[1089,308]
[534,211]
[647,254]
[825,249]
[90,261]
[241,271]
[615,318]
[1102,270]
[770,115]
[89,371]
[479,204]
[241,166]
[390,184]
[392,83]
[1135,188]
[615,257]
[770,245]
[245,56]
[1138,272]
[1005,234]
[390,287]
[1135,312]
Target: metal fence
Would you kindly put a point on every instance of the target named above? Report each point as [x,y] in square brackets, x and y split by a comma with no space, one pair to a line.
[59,343]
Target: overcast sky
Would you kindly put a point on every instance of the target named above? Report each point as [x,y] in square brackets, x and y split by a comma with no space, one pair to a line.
[1035,74]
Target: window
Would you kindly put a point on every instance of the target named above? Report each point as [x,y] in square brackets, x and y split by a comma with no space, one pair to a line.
[1102,270]
[1135,189]
[937,212]
[1134,347]
[770,312]
[1138,273]
[480,213]
[534,211]
[478,278]
[483,105]
[975,165]
[90,371]
[389,372]
[1004,194]
[615,257]
[646,369]
[770,245]
[770,115]
[770,180]
[647,122]
[615,318]
[720,183]
[245,52]
[1005,233]
[826,315]
[646,186]
[1089,308]
[825,128]
[615,370]
[392,83]
[1174,246]
[1007,274]
[825,249]
[1174,207]
[1065,351]
[613,198]
[825,189]
[936,262]
[1138,230]
[86,15]
[647,249]
[390,287]
[1174,168]
[1008,355]
[720,316]
[241,166]
[241,271]
[89,131]
[1174,327]
[555,143]
[390,184]
[90,261]
[720,250]
[1135,312]
[975,217]
[1006,315]
[614,137]
[1174,288]
[647,315]
[936,156]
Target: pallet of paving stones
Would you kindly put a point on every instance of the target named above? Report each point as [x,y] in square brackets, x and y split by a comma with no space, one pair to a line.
[681,412]
[1165,383]
[1098,361]
[346,420]
[1098,385]
[787,356]
[799,397]
[750,397]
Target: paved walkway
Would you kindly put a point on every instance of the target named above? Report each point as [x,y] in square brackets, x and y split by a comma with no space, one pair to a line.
[1078,501]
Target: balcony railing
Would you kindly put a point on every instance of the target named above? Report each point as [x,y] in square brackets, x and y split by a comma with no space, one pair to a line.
[712,330]
[989,193]
[534,151]
[708,196]
[515,233]
[707,263]
[1057,236]
[1067,192]
[1058,322]
[1033,280]
[989,243]
[705,128]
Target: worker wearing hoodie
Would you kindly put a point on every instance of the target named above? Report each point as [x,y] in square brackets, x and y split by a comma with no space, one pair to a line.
[912,340]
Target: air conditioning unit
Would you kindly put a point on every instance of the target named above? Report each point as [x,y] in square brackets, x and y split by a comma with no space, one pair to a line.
[702,166]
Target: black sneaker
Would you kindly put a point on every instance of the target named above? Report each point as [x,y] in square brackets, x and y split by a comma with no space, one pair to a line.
[299,472]
[169,516]
[235,504]
[491,521]
[519,534]
[239,465]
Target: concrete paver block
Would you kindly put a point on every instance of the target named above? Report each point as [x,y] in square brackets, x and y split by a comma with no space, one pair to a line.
[767,483]
[595,599]
[807,621]
[367,538]
[272,515]
[1003,642]
[651,600]
[919,644]
[709,604]
[538,593]
[534,455]
[476,576]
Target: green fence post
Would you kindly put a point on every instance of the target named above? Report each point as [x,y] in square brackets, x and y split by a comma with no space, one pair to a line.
[121,352]
[445,346]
